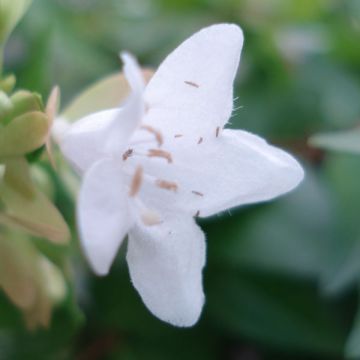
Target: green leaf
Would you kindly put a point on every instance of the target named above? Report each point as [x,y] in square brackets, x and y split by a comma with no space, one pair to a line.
[10,13]
[105,94]
[23,134]
[342,173]
[27,207]
[267,236]
[352,347]
[347,141]
[273,310]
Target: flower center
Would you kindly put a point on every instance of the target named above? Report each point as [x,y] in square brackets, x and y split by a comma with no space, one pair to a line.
[146,144]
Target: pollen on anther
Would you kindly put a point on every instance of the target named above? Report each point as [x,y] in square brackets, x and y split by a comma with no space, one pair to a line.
[167,185]
[155,132]
[200,140]
[127,154]
[198,193]
[191,83]
[160,154]
[136,181]
[217,131]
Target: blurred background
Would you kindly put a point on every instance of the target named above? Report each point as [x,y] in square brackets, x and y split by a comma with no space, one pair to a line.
[282,278]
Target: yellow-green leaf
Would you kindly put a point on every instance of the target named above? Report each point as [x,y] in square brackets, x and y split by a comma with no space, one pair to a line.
[35,213]
[107,93]
[7,84]
[17,256]
[23,134]
[11,12]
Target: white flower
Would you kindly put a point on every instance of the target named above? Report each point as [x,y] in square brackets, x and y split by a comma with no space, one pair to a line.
[163,158]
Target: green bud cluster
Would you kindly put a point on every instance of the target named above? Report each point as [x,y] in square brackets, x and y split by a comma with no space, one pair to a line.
[24,125]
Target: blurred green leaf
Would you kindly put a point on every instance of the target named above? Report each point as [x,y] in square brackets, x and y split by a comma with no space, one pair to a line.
[280,237]
[352,348]
[275,310]
[7,84]
[107,93]
[341,173]
[347,141]
[10,13]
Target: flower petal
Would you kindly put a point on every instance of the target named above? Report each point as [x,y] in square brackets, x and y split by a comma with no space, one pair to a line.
[104,216]
[122,128]
[192,91]
[233,169]
[165,263]
[133,73]
[104,132]
[83,142]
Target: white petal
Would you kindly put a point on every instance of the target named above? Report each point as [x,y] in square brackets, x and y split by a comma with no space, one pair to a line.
[192,91]
[104,216]
[121,128]
[133,73]
[105,132]
[165,263]
[83,142]
[234,169]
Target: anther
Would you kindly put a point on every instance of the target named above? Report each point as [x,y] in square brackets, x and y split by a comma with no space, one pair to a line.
[127,154]
[156,133]
[192,84]
[200,140]
[178,136]
[197,213]
[136,181]
[198,193]
[217,131]
[161,154]
[167,185]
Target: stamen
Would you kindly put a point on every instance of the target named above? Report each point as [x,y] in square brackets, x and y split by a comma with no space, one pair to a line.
[167,185]
[200,141]
[192,84]
[127,154]
[197,213]
[178,136]
[156,133]
[217,131]
[197,193]
[161,154]
[136,181]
